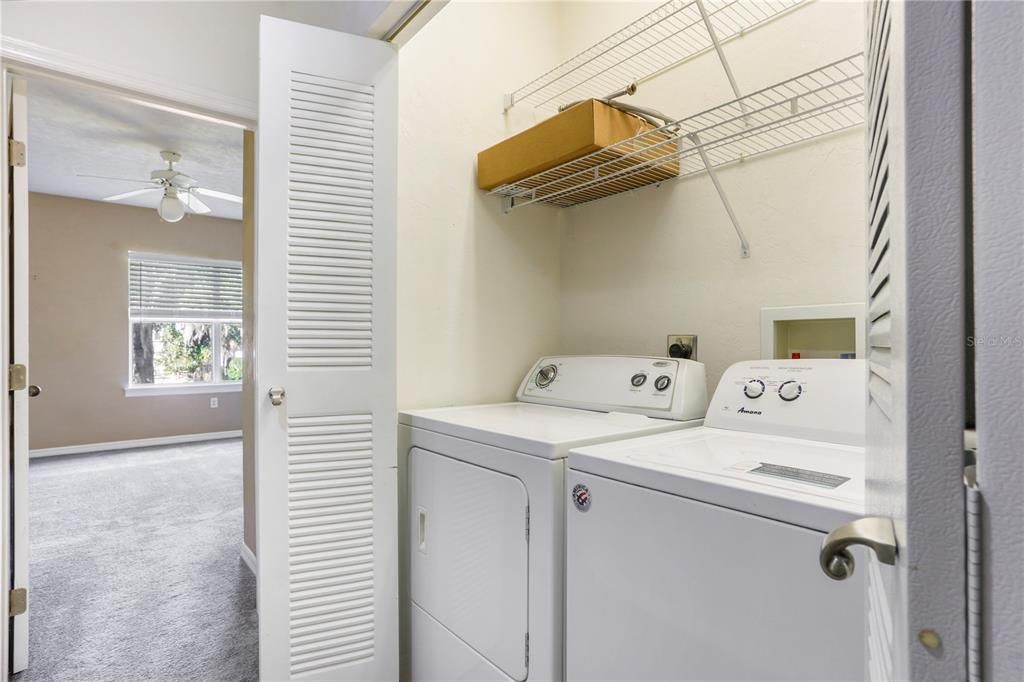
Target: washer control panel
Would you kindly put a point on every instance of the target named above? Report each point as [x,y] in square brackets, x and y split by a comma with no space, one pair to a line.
[811,399]
[669,388]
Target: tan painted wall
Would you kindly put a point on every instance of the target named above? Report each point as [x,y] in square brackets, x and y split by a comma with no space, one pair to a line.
[78,326]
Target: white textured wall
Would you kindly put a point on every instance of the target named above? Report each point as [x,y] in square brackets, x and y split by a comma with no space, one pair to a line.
[636,268]
[478,297]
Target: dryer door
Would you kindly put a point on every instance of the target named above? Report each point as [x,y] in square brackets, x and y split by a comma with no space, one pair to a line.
[469,555]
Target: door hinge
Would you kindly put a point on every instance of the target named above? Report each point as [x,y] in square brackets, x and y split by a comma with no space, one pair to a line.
[17,601]
[527,523]
[16,152]
[527,649]
[17,377]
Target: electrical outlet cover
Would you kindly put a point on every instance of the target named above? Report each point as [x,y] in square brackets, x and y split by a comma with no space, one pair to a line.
[681,341]
[214,402]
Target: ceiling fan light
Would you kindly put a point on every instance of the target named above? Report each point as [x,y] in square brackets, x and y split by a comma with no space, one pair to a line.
[171,208]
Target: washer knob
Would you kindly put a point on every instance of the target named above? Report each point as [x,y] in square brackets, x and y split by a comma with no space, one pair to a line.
[638,379]
[790,390]
[754,388]
[662,382]
[546,375]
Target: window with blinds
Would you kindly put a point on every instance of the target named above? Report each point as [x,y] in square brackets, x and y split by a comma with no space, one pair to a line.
[185,319]
[164,287]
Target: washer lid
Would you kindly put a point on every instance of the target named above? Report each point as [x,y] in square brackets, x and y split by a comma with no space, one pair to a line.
[807,483]
[540,430]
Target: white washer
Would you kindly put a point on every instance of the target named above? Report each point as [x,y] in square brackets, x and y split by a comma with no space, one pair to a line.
[484,541]
[694,554]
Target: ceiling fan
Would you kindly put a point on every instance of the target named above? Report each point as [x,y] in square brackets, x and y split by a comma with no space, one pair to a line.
[179,190]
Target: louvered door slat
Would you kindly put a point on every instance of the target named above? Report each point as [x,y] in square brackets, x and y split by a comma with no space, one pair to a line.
[879,300]
[325,333]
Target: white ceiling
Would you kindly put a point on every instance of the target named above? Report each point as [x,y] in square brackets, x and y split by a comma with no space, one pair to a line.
[79,130]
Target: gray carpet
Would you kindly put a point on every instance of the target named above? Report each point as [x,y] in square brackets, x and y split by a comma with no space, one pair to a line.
[135,571]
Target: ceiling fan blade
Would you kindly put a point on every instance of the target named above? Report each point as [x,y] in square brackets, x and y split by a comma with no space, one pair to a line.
[218,195]
[195,205]
[133,193]
[107,177]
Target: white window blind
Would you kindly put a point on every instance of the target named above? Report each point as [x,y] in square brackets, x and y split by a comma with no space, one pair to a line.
[165,287]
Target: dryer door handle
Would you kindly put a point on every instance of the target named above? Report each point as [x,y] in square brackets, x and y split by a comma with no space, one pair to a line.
[421,515]
[874,532]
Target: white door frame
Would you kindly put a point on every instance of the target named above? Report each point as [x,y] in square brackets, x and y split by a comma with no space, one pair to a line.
[137,89]
[5,426]
[16,237]
[26,59]
[998,333]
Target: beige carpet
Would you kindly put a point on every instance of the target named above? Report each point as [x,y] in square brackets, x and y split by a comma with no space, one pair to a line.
[135,572]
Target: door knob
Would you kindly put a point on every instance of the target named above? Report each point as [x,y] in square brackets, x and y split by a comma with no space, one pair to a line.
[874,532]
[33,391]
[276,395]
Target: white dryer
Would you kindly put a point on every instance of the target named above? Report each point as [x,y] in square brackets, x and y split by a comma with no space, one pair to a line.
[484,540]
[693,555]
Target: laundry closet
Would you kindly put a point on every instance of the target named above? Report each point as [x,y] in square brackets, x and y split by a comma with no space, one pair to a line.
[624,339]
[715,214]
[621,274]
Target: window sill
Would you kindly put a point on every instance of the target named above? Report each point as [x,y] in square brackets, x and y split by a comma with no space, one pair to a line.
[181,389]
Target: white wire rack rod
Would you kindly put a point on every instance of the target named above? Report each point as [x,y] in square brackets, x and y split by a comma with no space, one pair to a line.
[762,140]
[718,48]
[830,91]
[744,244]
[808,115]
[642,58]
[593,54]
[657,42]
[590,175]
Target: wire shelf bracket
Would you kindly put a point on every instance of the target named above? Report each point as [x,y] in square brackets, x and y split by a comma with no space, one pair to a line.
[744,244]
[695,137]
[821,102]
[661,40]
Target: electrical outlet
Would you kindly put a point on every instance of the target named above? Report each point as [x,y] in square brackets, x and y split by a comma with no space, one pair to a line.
[214,402]
[682,346]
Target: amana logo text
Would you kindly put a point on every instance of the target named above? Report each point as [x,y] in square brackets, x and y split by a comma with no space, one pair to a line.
[744,410]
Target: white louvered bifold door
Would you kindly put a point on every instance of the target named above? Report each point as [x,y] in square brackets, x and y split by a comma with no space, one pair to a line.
[916,220]
[325,333]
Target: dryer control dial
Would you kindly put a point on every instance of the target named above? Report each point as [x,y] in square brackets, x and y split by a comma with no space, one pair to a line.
[662,382]
[638,379]
[754,388]
[545,375]
[790,390]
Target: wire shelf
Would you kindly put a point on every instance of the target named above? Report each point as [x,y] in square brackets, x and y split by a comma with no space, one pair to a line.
[658,41]
[820,102]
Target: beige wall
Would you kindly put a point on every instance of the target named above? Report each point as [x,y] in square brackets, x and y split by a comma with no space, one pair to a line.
[478,297]
[636,268]
[78,326]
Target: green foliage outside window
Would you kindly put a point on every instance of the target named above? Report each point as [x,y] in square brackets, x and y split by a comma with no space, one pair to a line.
[231,344]
[186,351]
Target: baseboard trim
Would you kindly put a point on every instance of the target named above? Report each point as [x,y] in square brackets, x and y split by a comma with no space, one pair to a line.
[132,444]
[248,557]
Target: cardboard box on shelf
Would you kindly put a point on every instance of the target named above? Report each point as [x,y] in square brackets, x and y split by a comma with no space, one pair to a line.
[588,127]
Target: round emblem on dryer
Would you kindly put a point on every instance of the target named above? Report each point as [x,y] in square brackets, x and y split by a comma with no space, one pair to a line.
[581,497]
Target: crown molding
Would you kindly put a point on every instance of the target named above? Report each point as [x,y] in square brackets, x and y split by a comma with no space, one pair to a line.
[33,57]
